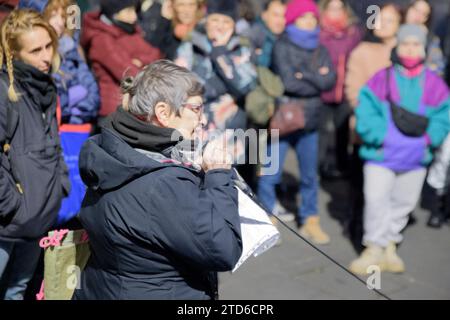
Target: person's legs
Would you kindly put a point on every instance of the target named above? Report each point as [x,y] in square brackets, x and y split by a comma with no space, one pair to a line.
[404,198]
[6,248]
[307,154]
[23,260]
[378,186]
[354,223]
[5,251]
[271,173]
[341,122]
[326,136]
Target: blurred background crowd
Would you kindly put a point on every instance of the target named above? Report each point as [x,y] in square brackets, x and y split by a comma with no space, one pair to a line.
[332,58]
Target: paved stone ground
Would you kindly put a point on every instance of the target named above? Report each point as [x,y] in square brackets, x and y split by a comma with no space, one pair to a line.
[294,270]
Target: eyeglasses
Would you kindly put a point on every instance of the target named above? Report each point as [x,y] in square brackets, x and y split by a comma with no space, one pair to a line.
[197,108]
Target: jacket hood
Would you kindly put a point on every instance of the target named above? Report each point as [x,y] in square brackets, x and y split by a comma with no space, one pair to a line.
[94,25]
[107,162]
[127,149]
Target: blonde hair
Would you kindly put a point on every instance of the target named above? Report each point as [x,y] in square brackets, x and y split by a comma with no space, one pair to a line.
[13,27]
[54,5]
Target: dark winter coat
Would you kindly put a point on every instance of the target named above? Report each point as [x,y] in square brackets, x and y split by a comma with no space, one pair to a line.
[34,162]
[263,41]
[158,31]
[111,51]
[288,60]
[157,229]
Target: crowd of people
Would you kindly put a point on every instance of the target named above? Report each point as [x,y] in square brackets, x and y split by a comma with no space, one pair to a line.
[375,110]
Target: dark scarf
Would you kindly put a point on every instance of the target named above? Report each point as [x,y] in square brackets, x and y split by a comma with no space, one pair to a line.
[145,136]
[140,134]
[127,27]
[39,85]
[308,40]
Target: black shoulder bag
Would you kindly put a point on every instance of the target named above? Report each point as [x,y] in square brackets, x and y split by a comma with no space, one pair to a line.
[409,123]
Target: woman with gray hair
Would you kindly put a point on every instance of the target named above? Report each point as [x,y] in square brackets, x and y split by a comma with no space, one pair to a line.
[161,225]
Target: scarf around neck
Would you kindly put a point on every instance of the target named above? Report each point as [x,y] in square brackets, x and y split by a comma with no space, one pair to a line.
[39,85]
[154,140]
[126,27]
[409,67]
[306,39]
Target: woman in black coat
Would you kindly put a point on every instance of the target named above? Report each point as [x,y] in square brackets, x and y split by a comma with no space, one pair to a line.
[33,176]
[161,222]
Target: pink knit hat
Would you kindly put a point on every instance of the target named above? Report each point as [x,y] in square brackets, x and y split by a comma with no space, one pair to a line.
[297,8]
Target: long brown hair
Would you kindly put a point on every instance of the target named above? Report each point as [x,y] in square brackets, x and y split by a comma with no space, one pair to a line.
[15,25]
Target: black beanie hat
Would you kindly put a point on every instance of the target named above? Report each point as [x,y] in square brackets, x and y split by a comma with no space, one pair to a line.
[226,7]
[111,7]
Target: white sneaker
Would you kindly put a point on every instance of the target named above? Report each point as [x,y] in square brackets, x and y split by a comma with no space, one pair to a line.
[282,213]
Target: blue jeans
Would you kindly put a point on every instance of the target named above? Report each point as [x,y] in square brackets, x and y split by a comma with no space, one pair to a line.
[306,146]
[19,260]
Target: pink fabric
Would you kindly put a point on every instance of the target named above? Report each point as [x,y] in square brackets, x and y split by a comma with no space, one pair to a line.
[297,8]
[54,240]
[338,25]
[41,296]
[410,63]
[413,66]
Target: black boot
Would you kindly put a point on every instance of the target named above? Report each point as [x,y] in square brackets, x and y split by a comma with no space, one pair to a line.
[437,217]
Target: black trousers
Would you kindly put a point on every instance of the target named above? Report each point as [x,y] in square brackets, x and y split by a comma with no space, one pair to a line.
[334,136]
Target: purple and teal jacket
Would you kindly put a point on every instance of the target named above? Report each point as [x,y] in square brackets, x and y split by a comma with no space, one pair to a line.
[425,94]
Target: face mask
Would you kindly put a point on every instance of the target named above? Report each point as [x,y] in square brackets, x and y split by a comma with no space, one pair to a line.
[338,24]
[410,63]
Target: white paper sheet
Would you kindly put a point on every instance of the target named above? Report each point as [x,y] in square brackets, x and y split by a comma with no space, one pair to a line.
[258,232]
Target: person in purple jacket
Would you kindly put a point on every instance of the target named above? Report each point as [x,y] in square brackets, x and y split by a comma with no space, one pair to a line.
[340,33]
[402,116]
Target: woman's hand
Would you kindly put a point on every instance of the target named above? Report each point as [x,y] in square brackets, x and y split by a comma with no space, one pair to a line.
[138,63]
[167,9]
[222,39]
[216,155]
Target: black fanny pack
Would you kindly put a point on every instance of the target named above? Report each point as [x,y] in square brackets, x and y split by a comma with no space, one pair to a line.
[409,123]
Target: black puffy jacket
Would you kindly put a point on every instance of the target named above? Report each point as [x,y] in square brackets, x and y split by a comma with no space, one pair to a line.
[34,162]
[157,229]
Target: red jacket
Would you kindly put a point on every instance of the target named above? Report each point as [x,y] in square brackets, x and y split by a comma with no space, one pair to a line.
[5,7]
[111,51]
[339,46]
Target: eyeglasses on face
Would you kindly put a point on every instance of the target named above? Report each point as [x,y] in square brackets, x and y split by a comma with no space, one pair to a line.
[196,107]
